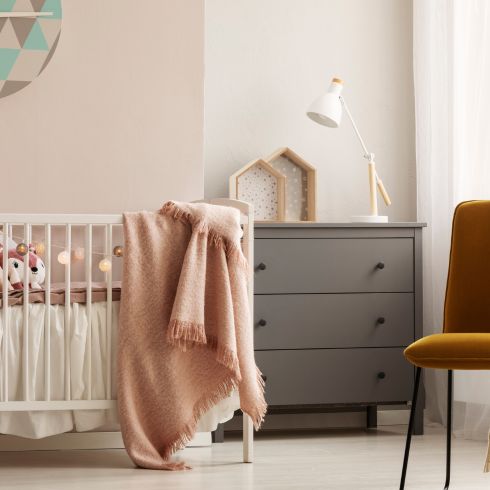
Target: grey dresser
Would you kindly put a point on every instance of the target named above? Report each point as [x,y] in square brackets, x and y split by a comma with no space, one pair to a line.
[335,305]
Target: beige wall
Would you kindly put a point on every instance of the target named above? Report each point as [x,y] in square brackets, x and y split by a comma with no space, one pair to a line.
[265,63]
[115,122]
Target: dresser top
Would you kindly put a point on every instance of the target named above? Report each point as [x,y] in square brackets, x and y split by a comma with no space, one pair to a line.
[319,224]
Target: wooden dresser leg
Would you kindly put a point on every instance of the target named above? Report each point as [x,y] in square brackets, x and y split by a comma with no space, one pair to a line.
[372,417]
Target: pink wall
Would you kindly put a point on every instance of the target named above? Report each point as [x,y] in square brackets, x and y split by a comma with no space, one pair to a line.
[115,122]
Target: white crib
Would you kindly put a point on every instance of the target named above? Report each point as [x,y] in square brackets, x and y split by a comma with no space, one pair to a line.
[31,402]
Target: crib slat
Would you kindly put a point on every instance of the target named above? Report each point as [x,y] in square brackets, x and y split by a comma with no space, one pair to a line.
[108,255]
[68,315]
[5,314]
[25,332]
[88,279]
[47,313]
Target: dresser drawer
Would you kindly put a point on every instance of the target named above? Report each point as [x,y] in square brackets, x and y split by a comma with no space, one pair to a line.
[320,265]
[322,376]
[299,321]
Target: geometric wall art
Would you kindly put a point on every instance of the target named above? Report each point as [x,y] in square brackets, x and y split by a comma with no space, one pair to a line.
[29,34]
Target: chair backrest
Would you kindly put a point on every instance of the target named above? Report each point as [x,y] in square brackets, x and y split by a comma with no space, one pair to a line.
[467,305]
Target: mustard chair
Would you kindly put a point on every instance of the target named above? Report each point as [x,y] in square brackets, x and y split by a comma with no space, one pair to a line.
[465,341]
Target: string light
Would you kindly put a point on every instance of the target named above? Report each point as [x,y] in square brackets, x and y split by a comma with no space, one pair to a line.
[105,265]
[40,248]
[64,257]
[79,253]
[22,249]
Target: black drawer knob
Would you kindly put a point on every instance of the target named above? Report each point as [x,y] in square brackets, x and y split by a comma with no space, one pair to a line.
[381,320]
[381,375]
[262,267]
[262,322]
[380,265]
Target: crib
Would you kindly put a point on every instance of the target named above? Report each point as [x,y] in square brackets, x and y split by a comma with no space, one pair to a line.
[65,394]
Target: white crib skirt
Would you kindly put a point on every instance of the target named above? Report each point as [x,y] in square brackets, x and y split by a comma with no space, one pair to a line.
[46,423]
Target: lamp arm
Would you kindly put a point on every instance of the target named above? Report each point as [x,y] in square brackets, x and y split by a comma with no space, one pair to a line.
[367,155]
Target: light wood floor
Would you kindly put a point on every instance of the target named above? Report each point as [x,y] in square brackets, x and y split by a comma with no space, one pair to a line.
[353,459]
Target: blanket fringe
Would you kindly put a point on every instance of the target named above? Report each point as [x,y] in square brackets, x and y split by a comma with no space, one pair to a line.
[233,251]
[185,435]
[486,468]
[187,335]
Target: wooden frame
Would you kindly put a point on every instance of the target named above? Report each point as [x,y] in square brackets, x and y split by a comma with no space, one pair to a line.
[310,179]
[281,186]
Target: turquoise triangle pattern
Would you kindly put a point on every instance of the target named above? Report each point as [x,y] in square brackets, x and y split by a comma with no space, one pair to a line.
[6,5]
[36,40]
[52,6]
[8,57]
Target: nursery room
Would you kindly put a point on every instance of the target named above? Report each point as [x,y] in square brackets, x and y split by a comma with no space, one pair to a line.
[245,244]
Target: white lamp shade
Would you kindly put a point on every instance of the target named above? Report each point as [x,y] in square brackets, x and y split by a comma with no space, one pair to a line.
[327,109]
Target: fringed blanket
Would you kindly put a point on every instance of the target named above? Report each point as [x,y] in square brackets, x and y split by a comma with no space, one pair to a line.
[185,338]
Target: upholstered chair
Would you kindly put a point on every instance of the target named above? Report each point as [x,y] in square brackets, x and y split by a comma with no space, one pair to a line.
[465,340]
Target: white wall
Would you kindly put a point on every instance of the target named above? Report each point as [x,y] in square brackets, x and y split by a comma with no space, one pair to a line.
[267,60]
[115,122]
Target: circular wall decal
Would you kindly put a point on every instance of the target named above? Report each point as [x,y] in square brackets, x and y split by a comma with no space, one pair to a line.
[29,34]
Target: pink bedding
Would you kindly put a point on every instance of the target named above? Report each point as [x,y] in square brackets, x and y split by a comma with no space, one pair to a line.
[78,294]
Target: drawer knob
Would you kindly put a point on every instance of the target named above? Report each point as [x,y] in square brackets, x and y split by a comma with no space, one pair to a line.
[381,375]
[380,265]
[262,322]
[381,320]
[262,267]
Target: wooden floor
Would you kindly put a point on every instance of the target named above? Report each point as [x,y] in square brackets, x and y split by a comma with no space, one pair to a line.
[353,459]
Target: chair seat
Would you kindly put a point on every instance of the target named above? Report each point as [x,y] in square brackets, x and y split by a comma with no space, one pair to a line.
[451,351]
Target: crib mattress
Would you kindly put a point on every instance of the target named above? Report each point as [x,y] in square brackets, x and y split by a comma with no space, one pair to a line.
[43,424]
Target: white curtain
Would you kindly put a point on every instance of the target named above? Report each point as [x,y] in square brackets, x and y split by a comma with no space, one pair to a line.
[452,107]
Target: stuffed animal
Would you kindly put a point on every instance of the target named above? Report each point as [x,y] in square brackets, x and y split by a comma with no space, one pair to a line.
[16,269]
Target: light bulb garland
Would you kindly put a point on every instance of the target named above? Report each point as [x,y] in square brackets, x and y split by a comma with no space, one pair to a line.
[105,265]
[79,253]
[65,256]
[22,249]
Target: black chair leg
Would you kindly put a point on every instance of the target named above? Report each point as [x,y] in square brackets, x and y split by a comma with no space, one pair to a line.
[410,427]
[449,426]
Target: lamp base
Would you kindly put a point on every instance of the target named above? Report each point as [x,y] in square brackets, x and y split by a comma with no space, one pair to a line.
[369,219]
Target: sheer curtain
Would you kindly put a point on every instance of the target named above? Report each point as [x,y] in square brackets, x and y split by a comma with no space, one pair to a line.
[452,109]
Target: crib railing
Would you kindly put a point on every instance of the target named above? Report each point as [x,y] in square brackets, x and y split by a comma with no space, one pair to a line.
[50,221]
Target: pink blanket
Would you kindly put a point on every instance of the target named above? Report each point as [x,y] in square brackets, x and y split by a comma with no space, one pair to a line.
[185,336]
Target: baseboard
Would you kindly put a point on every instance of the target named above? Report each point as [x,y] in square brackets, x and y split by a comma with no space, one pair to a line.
[81,440]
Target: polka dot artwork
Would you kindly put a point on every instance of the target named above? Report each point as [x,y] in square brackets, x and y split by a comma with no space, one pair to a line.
[296,208]
[258,186]
[281,187]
